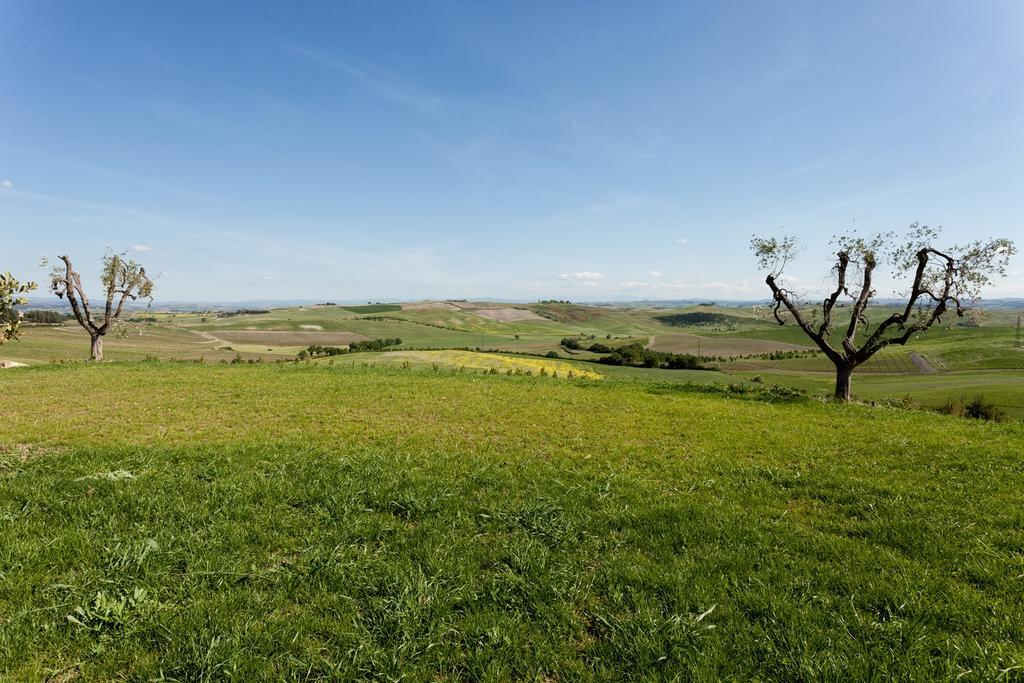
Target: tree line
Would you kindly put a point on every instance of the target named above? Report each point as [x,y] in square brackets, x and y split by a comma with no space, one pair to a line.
[638,355]
[316,351]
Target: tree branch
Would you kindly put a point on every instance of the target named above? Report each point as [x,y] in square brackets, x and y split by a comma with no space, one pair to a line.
[857,313]
[830,302]
[819,339]
[73,291]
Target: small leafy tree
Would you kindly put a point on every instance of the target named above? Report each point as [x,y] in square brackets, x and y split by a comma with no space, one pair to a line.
[943,281]
[122,280]
[11,294]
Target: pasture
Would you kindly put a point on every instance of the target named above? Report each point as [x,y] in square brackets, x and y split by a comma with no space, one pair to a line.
[494,363]
[944,363]
[188,521]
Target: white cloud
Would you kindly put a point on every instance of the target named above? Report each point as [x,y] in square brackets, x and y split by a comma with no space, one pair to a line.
[585,275]
[6,184]
[654,273]
[682,240]
[633,285]
[141,248]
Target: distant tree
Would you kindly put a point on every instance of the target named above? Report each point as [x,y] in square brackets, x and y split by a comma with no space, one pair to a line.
[122,280]
[43,317]
[944,281]
[11,294]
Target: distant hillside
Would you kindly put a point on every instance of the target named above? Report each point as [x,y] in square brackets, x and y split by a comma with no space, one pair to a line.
[706,319]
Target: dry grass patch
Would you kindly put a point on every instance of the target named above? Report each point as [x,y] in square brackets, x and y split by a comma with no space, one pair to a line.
[509,315]
[471,360]
[272,338]
[13,455]
[727,347]
[430,306]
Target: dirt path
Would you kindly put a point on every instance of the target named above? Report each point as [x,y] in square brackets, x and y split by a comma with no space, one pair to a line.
[211,339]
[922,363]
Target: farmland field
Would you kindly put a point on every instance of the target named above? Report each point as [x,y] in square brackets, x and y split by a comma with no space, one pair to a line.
[960,363]
[719,345]
[191,521]
[463,360]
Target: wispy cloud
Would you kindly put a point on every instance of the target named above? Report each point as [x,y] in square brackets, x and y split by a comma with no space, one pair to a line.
[682,240]
[141,248]
[585,275]
[82,207]
[375,80]
[654,273]
[6,184]
[598,208]
[92,169]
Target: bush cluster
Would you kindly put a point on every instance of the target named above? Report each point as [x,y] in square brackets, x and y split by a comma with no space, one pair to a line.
[315,350]
[978,409]
[637,355]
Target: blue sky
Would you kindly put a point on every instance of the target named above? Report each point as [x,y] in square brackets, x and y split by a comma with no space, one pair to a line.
[398,150]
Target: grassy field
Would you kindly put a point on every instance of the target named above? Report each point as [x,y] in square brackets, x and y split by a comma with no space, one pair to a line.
[472,361]
[183,521]
[46,343]
[1004,388]
[719,345]
[942,364]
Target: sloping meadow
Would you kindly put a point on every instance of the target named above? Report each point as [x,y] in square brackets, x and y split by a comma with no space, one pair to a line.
[313,522]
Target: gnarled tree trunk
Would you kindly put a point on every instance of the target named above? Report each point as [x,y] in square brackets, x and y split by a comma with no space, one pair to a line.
[844,373]
[97,347]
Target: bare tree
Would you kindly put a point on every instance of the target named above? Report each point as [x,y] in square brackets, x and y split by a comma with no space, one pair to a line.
[944,281]
[122,280]
[11,295]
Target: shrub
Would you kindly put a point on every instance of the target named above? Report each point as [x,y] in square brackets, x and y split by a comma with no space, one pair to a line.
[552,354]
[978,409]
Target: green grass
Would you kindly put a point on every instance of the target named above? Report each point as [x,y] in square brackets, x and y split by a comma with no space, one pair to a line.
[970,361]
[45,343]
[1004,388]
[481,361]
[195,522]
